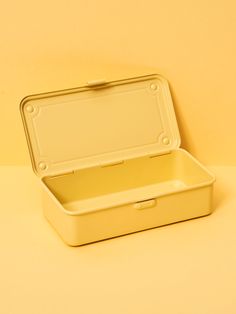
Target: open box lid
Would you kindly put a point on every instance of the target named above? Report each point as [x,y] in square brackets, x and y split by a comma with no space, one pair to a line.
[98,124]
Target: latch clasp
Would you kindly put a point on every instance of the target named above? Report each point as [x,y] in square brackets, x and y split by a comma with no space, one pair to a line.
[145,204]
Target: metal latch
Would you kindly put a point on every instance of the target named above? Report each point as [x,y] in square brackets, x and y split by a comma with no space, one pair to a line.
[145,204]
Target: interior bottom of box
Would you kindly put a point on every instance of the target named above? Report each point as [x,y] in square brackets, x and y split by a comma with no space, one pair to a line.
[128,196]
[131,181]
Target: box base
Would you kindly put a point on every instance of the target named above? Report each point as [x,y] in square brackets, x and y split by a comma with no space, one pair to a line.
[101,202]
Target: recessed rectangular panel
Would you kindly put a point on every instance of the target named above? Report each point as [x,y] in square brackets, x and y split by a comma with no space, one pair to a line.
[91,126]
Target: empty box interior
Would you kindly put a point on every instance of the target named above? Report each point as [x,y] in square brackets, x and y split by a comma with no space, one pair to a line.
[127,182]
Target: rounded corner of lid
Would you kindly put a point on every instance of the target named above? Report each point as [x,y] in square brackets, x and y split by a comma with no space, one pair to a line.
[161,78]
[23,101]
[35,169]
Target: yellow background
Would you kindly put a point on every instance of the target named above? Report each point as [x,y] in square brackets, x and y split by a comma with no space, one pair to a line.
[186,268]
[50,45]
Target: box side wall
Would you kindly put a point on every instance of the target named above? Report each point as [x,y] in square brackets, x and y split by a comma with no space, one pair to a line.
[190,169]
[91,227]
[65,225]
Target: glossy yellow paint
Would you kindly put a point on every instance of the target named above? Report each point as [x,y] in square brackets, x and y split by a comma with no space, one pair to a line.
[109,159]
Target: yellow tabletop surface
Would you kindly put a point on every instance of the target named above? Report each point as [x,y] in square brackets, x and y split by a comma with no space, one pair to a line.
[184,268]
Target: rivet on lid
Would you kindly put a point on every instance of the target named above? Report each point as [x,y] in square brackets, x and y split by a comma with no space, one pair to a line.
[42,166]
[153,86]
[166,141]
[30,109]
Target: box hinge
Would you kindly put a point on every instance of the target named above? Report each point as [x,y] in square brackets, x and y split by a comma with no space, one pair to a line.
[110,164]
[62,174]
[159,154]
[95,83]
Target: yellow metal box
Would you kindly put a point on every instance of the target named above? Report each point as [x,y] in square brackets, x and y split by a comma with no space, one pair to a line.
[109,161]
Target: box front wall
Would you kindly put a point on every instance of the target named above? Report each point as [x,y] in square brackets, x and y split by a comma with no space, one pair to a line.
[103,224]
[64,224]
